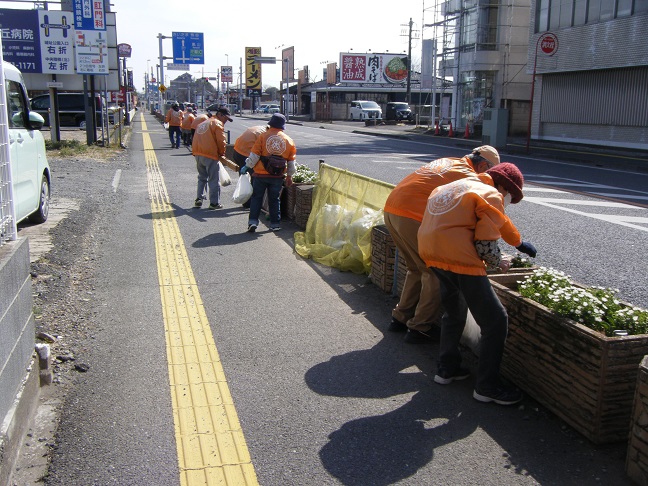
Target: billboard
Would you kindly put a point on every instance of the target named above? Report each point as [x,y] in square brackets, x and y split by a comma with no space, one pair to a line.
[226,74]
[373,68]
[252,72]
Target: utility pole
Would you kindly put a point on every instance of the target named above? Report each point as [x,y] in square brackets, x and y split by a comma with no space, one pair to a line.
[409,64]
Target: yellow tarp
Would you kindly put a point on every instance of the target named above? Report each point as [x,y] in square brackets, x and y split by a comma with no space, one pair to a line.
[345,208]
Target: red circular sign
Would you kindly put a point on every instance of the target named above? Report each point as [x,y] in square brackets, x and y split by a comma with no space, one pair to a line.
[548,43]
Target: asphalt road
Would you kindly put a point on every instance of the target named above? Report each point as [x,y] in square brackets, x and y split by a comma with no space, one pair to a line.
[323,392]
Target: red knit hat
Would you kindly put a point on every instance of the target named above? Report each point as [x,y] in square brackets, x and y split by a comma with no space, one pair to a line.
[510,178]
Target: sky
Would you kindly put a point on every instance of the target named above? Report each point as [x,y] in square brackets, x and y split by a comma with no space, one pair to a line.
[318,31]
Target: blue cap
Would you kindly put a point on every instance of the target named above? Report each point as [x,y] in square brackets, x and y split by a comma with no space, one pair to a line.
[278,121]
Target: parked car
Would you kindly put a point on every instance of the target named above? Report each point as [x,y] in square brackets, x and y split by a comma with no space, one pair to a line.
[30,170]
[364,110]
[71,109]
[398,111]
[273,109]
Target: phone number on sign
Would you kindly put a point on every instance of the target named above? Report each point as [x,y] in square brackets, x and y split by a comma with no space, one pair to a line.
[25,66]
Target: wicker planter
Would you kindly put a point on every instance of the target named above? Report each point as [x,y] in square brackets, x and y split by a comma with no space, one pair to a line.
[582,376]
[383,260]
[303,194]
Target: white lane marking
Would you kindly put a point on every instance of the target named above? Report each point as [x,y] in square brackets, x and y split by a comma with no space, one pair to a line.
[115,182]
[626,221]
[605,204]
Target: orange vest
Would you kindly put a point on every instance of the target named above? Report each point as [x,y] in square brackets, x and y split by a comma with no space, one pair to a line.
[173,118]
[409,197]
[187,120]
[199,119]
[456,215]
[273,141]
[209,139]
[244,143]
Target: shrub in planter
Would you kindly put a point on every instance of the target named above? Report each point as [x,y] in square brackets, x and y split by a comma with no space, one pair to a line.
[583,376]
[302,176]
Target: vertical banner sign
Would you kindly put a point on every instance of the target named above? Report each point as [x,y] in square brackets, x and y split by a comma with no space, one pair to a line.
[89,15]
[20,44]
[252,71]
[288,64]
[226,74]
[90,38]
[56,41]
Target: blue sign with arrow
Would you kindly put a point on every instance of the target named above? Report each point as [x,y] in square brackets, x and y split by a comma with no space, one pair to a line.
[188,48]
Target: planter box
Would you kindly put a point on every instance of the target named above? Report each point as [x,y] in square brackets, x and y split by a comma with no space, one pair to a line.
[637,457]
[383,260]
[582,376]
[289,200]
[303,203]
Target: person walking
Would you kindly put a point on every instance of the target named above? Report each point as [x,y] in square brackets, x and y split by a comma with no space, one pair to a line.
[277,153]
[174,119]
[419,308]
[197,121]
[457,239]
[208,148]
[185,126]
[243,145]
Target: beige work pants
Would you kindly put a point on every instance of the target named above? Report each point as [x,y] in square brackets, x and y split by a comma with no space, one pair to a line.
[420,302]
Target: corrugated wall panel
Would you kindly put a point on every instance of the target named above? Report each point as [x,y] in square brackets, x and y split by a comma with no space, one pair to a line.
[607,97]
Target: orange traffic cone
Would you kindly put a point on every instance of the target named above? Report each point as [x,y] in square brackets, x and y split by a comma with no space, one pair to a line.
[436,128]
[467,132]
[450,131]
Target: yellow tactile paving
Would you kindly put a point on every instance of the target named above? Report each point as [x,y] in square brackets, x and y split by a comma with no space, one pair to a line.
[210,443]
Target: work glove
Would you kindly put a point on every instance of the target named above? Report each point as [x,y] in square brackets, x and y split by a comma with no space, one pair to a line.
[527,248]
[244,170]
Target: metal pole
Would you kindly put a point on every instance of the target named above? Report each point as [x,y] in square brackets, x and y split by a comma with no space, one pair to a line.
[409,65]
[535,63]
[161,98]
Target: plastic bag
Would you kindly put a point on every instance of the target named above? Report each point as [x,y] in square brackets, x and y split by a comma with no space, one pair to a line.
[166,125]
[243,190]
[223,177]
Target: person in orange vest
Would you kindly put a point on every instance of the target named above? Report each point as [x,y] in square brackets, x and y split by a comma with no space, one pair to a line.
[277,153]
[419,307]
[243,146]
[197,121]
[174,119]
[458,239]
[208,147]
[187,120]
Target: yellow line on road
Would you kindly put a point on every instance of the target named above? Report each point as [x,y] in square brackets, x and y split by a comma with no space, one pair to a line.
[210,443]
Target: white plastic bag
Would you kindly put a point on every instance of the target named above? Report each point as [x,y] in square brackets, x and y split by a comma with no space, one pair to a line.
[166,125]
[223,177]
[243,190]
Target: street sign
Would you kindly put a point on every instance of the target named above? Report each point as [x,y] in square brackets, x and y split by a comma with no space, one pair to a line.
[178,67]
[226,74]
[188,48]
[548,43]
[54,84]
[162,88]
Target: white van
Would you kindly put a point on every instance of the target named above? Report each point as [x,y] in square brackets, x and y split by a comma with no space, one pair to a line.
[364,110]
[30,170]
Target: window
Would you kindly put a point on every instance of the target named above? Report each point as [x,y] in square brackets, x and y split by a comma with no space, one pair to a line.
[15,105]
[561,14]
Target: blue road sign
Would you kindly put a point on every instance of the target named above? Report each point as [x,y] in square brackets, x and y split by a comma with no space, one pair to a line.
[188,48]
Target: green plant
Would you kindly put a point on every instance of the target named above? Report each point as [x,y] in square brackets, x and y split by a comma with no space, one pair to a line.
[595,307]
[304,175]
[518,261]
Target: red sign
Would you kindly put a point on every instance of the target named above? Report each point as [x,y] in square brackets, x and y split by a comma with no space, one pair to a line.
[548,43]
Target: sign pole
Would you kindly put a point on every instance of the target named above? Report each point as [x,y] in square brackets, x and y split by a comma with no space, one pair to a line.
[549,43]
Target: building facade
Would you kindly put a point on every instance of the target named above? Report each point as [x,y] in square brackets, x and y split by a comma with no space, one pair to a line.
[594,88]
[482,47]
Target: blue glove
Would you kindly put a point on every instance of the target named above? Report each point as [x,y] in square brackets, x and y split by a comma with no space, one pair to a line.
[527,248]
[244,170]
